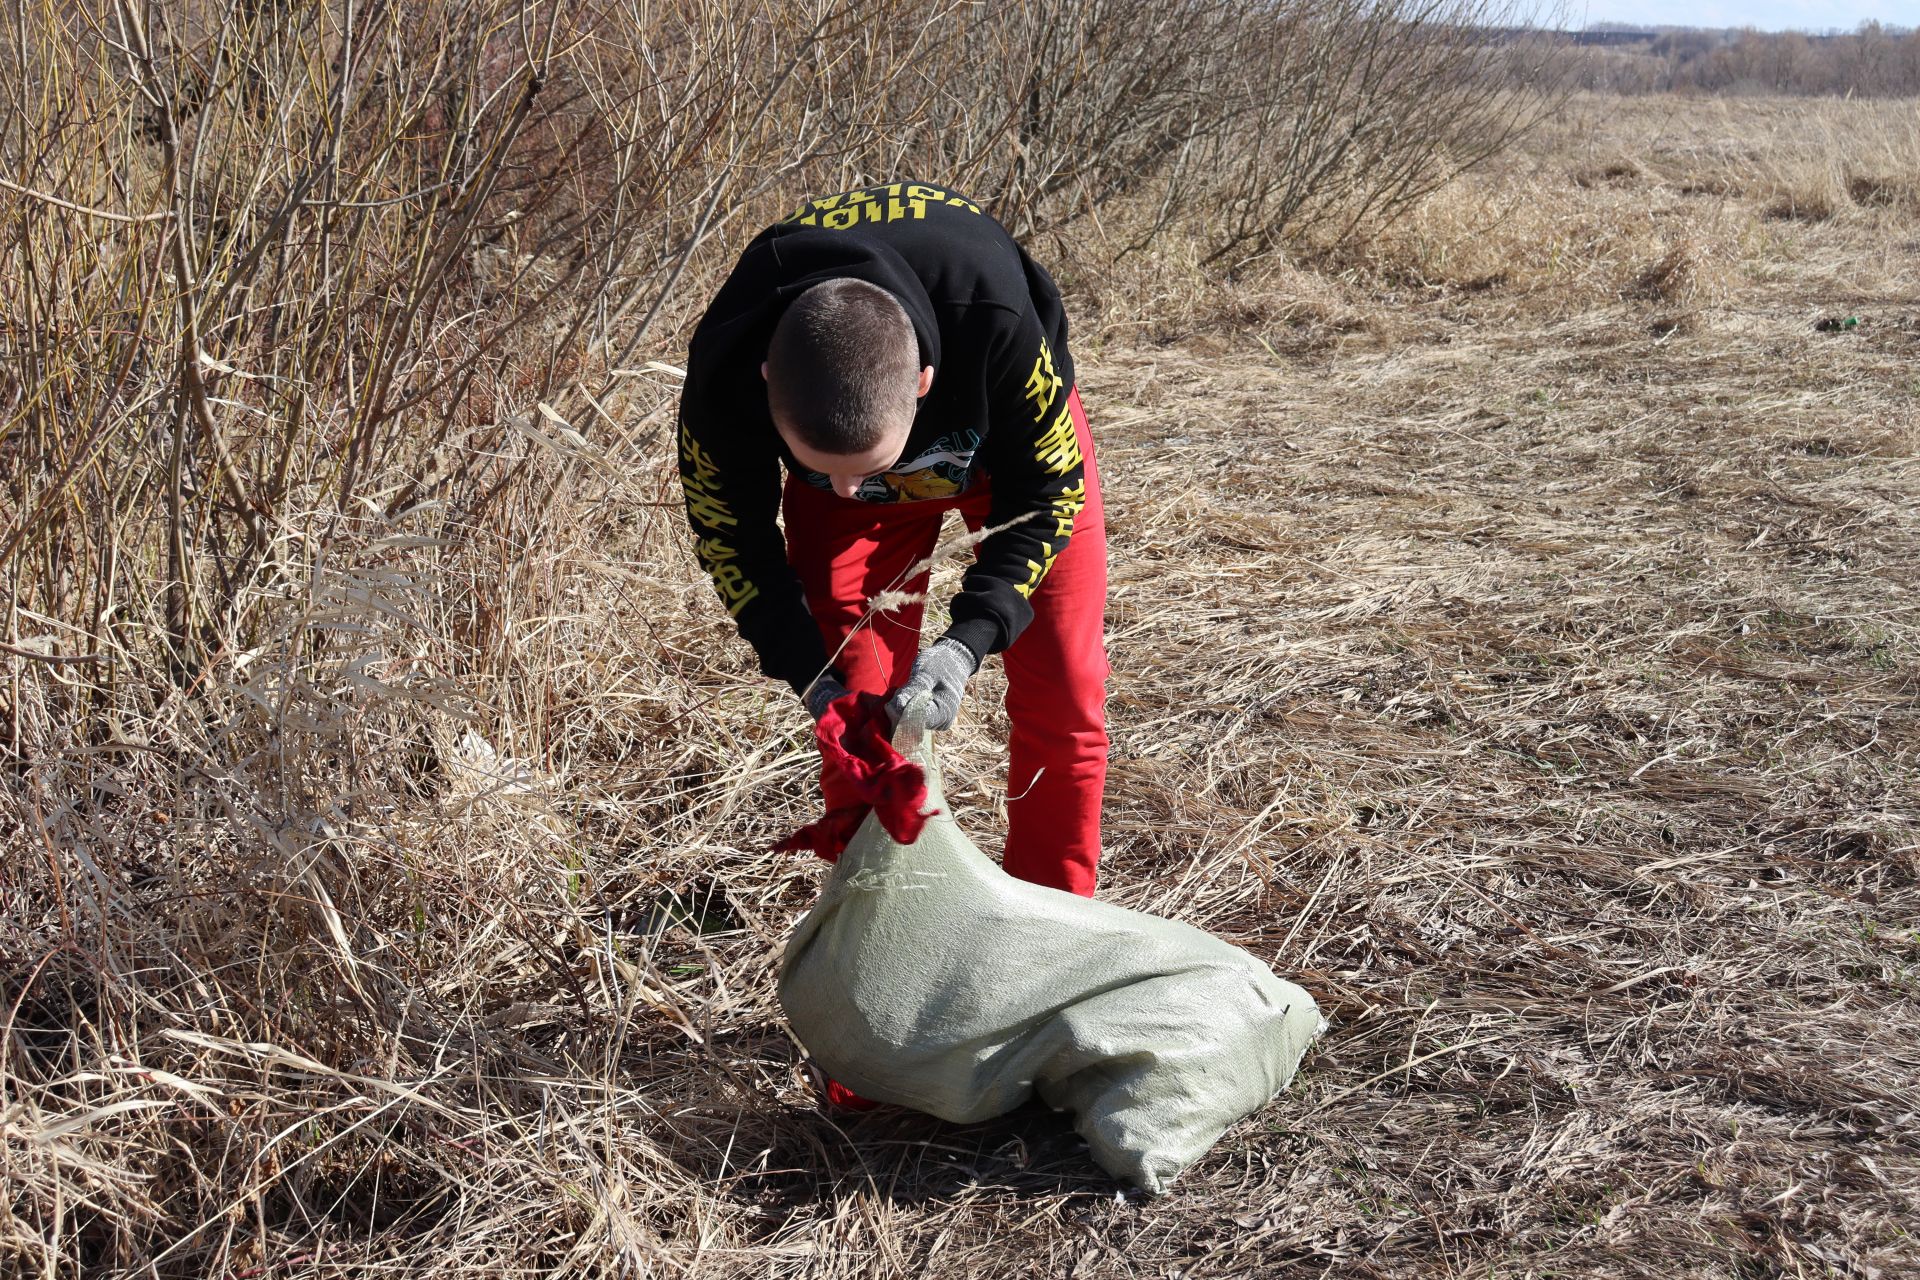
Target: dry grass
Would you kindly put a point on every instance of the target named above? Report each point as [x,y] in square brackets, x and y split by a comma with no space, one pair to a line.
[1530,673]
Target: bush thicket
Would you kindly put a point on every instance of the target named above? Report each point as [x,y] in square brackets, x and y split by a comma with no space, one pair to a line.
[1874,61]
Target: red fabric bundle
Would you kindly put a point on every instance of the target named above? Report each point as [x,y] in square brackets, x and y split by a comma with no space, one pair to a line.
[861,773]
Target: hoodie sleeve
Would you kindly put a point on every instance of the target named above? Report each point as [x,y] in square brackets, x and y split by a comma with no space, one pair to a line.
[1039,486]
[732,502]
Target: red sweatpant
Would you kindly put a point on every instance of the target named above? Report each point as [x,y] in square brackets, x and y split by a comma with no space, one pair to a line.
[846,551]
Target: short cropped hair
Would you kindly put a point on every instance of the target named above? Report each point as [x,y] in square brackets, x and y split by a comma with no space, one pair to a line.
[843,367]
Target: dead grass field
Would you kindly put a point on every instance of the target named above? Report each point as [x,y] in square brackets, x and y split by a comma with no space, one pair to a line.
[1516,639]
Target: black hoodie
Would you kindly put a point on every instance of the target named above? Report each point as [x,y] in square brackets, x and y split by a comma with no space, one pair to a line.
[990,323]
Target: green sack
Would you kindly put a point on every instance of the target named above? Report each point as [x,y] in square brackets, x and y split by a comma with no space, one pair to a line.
[928,977]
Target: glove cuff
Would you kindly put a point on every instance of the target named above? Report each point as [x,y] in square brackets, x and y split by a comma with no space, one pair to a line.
[960,650]
[978,636]
[823,691]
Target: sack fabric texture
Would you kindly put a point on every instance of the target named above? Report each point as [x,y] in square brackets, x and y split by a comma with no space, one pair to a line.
[927,977]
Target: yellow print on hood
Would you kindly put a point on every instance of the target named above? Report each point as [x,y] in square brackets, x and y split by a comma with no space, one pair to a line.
[890,203]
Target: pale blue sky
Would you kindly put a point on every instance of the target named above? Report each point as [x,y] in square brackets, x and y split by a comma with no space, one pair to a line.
[1768,15]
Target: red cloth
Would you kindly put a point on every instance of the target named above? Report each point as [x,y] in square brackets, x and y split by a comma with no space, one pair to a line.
[838,1095]
[846,551]
[861,773]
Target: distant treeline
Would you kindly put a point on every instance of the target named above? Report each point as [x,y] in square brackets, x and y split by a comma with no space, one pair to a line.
[1872,61]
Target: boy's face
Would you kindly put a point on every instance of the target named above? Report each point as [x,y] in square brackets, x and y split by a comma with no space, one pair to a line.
[846,472]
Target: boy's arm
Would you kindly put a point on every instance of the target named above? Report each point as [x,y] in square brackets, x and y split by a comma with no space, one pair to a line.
[1039,486]
[732,502]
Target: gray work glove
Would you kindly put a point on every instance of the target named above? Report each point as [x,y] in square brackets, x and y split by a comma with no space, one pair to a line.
[823,691]
[941,669]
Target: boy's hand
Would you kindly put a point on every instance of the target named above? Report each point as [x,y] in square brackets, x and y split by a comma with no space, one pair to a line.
[824,691]
[942,669]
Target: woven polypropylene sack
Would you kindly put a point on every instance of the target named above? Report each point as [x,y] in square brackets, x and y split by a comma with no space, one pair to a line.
[928,977]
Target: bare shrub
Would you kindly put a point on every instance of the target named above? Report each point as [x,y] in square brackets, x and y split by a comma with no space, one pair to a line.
[1258,122]
[303,306]
[1357,110]
[1080,102]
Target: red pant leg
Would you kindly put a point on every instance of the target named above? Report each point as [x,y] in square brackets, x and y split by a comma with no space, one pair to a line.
[846,552]
[1056,700]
